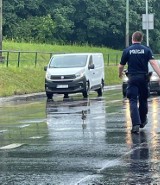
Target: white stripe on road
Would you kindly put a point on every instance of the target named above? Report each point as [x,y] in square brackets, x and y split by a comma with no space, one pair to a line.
[2,131]
[36,137]
[111,163]
[11,146]
[23,126]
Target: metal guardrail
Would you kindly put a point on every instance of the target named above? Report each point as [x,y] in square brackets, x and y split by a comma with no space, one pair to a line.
[8,57]
[18,58]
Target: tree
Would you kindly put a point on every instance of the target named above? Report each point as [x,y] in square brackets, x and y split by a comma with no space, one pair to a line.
[97,22]
[37,29]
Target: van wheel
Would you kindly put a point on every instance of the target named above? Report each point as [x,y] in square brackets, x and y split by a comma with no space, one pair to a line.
[49,95]
[100,90]
[86,91]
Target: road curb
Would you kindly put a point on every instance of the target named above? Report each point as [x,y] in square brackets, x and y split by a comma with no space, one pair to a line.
[27,97]
[24,97]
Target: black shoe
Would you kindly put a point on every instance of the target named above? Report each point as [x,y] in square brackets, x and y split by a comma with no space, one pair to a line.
[135,129]
[142,125]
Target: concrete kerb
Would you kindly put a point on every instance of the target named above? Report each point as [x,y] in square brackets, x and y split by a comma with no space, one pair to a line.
[24,97]
[27,97]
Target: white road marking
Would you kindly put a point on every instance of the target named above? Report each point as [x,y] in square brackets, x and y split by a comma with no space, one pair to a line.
[23,126]
[2,131]
[36,137]
[11,146]
[111,163]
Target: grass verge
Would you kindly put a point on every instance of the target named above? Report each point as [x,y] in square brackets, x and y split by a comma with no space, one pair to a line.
[28,79]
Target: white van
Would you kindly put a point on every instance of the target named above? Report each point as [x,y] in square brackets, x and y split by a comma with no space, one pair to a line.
[73,73]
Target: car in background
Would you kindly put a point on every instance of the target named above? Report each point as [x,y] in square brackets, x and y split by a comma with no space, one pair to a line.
[153,86]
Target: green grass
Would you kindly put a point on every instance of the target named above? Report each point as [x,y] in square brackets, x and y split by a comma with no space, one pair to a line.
[44,51]
[28,78]
[24,80]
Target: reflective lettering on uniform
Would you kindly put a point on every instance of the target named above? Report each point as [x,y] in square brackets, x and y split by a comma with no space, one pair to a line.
[136,51]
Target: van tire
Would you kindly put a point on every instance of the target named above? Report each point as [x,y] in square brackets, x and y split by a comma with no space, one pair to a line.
[86,91]
[100,90]
[49,95]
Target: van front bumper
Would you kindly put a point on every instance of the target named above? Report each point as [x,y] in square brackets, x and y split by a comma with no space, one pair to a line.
[69,86]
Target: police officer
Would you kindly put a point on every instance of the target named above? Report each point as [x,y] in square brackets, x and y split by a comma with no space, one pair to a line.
[137,57]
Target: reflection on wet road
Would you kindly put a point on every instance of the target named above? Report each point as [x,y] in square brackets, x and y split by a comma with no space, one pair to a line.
[85,142]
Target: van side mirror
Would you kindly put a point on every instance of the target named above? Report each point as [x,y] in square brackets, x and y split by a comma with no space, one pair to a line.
[91,66]
[45,68]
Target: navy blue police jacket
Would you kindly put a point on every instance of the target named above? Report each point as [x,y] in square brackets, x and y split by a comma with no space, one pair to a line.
[137,57]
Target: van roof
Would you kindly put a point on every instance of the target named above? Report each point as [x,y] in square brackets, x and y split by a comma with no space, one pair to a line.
[78,54]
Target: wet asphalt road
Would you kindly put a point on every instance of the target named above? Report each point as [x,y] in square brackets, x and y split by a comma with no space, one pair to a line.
[49,143]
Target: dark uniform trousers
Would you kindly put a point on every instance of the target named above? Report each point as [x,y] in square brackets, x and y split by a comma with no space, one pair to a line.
[137,93]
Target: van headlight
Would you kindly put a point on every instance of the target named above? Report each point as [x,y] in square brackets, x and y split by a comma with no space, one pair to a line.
[80,74]
[48,76]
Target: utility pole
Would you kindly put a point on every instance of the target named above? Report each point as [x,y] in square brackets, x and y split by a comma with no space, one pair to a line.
[147,32]
[0,30]
[127,23]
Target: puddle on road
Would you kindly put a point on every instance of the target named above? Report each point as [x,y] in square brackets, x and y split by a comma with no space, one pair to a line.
[19,121]
[59,140]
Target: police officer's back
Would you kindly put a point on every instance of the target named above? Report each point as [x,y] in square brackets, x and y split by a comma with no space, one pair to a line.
[137,57]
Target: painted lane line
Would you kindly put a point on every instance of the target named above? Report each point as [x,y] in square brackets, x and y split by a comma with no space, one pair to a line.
[2,131]
[11,146]
[109,164]
[23,126]
[36,137]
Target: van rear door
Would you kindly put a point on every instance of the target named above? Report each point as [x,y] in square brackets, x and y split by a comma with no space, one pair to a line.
[91,71]
[99,68]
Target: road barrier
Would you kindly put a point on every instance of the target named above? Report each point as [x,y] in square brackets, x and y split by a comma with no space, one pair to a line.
[36,58]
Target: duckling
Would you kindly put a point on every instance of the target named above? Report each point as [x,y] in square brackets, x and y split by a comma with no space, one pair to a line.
[84,125]
[83,115]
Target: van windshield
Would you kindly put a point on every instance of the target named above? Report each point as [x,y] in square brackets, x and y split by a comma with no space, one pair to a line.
[68,61]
